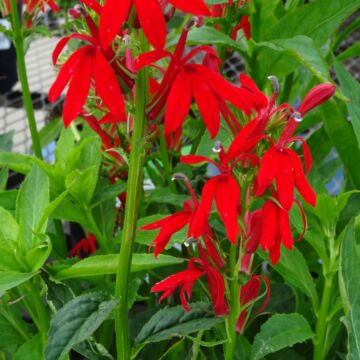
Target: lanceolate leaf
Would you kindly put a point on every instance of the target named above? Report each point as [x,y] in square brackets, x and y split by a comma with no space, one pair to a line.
[317,20]
[11,279]
[107,264]
[175,321]
[293,268]
[279,332]
[349,278]
[76,322]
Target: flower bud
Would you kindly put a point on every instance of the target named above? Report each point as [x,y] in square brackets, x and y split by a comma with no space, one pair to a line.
[316,96]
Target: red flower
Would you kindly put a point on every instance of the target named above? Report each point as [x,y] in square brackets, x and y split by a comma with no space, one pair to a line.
[223,187]
[185,280]
[183,81]
[87,65]
[150,16]
[245,26]
[316,96]
[173,223]
[248,293]
[87,245]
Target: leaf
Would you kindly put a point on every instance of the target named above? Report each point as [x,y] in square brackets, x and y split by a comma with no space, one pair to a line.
[50,132]
[317,20]
[293,268]
[106,191]
[76,322]
[343,138]
[17,162]
[8,199]
[175,321]
[32,200]
[301,49]
[39,253]
[6,141]
[279,332]
[30,350]
[349,278]
[9,227]
[351,88]
[11,279]
[107,264]
[350,52]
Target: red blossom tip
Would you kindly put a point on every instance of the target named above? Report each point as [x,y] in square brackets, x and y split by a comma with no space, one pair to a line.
[316,96]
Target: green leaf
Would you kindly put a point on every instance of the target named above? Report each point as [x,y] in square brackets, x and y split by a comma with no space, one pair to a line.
[106,191]
[351,88]
[9,335]
[350,52]
[17,162]
[39,253]
[50,132]
[349,278]
[343,138]
[279,332]
[30,350]
[293,268]
[8,199]
[76,322]
[6,141]
[9,227]
[317,20]
[107,264]
[33,198]
[175,321]
[11,279]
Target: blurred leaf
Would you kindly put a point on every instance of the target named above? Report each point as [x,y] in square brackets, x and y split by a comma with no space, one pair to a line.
[279,332]
[343,138]
[317,20]
[17,162]
[11,279]
[39,253]
[175,321]
[165,196]
[6,141]
[76,322]
[8,199]
[350,52]
[9,227]
[50,132]
[106,191]
[349,278]
[107,264]
[351,88]
[30,350]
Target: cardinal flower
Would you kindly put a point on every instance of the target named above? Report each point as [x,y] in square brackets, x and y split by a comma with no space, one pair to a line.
[248,293]
[223,188]
[185,280]
[184,81]
[175,222]
[85,246]
[88,65]
[150,16]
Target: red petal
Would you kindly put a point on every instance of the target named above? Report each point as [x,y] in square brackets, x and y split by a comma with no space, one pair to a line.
[78,89]
[207,104]
[249,84]
[113,15]
[178,103]
[285,229]
[254,231]
[211,248]
[152,21]
[65,73]
[195,7]
[306,152]
[196,159]
[285,181]
[228,203]
[269,226]
[160,223]
[301,182]
[268,169]
[149,58]
[93,5]
[107,85]
[274,252]
[198,223]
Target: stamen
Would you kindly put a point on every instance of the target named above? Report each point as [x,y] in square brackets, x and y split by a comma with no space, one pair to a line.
[297,116]
[217,146]
[275,83]
[192,22]
[183,177]
[189,241]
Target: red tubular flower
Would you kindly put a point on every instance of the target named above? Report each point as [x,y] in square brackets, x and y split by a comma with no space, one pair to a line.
[316,96]
[183,81]
[88,63]
[150,16]
[185,280]
[223,188]
[87,245]
[248,293]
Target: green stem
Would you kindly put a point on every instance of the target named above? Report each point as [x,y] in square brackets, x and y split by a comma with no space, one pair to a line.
[322,321]
[234,304]
[196,346]
[20,59]
[135,183]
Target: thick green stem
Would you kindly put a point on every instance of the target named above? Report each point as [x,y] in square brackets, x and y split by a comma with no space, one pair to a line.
[234,304]
[135,183]
[322,321]
[21,66]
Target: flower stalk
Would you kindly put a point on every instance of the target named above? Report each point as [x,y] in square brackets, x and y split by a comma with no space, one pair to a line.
[20,59]
[135,181]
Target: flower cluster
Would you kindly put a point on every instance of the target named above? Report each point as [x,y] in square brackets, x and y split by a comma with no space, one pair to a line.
[255,177]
